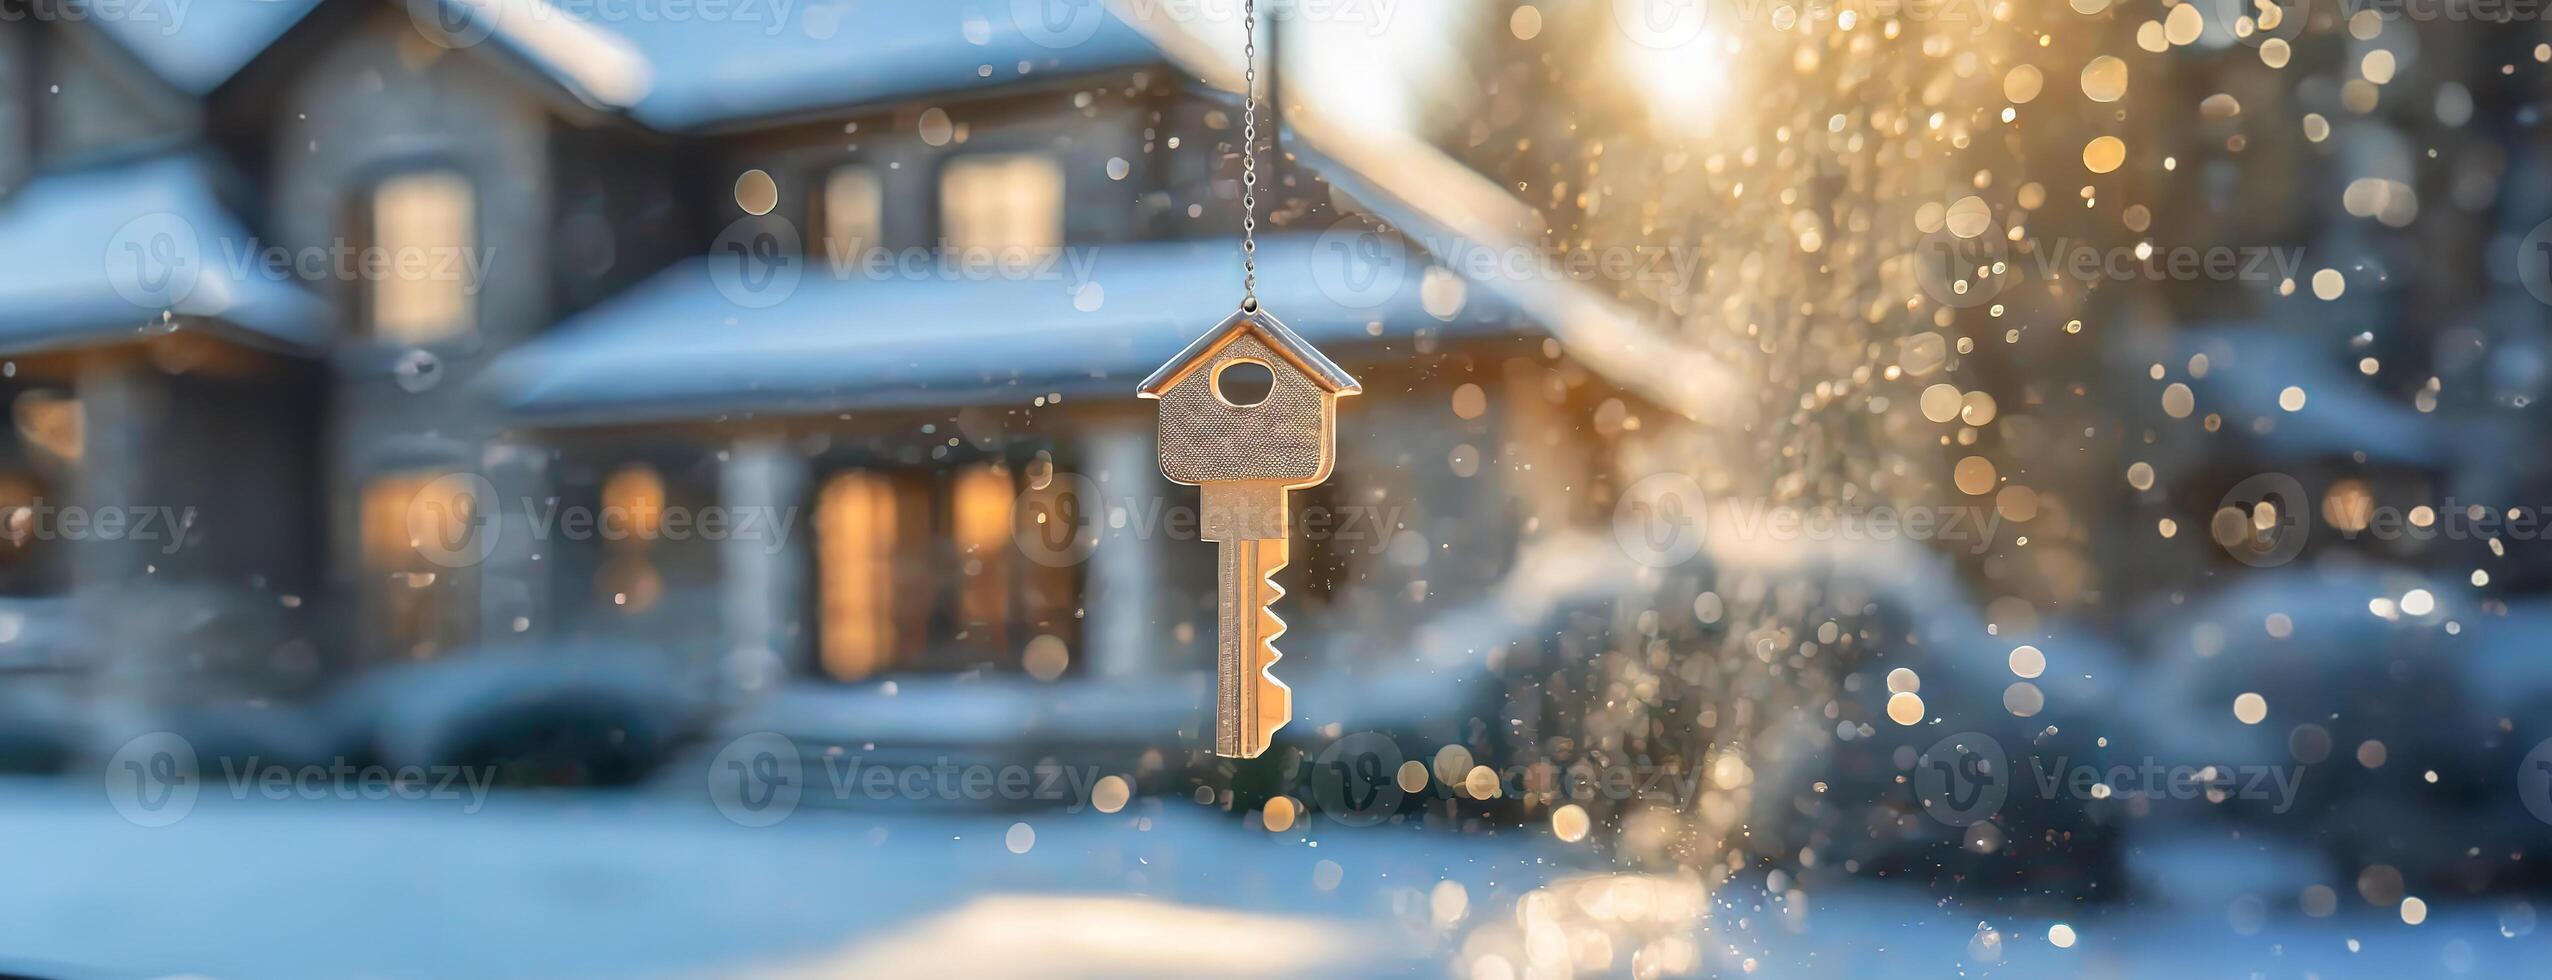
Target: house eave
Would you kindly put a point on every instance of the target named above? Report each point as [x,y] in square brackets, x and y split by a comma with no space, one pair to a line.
[1269,330]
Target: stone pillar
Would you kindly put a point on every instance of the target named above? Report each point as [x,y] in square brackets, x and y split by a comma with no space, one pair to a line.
[1125,634]
[765,598]
[124,625]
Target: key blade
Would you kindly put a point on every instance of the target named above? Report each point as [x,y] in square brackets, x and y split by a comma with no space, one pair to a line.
[1251,703]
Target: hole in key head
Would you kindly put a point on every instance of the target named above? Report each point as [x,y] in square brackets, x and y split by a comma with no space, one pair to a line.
[1243,384]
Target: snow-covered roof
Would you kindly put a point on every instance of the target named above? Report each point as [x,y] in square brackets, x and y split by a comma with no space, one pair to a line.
[198,44]
[126,249]
[686,343]
[677,68]
[689,68]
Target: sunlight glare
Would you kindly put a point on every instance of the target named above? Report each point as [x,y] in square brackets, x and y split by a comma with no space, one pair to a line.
[1684,84]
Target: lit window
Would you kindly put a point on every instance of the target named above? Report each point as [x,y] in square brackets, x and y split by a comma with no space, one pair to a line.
[920,572]
[634,505]
[421,225]
[50,421]
[855,530]
[854,211]
[409,516]
[419,530]
[980,520]
[632,518]
[1006,206]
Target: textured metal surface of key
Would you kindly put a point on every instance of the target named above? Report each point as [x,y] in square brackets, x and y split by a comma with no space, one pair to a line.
[1245,453]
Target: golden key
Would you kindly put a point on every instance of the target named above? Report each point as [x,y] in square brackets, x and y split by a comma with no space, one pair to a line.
[1247,445]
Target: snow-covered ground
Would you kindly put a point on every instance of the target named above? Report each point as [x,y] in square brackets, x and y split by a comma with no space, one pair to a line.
[657,883]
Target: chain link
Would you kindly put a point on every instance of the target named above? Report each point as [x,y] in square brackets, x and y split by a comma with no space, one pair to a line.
[1249,156]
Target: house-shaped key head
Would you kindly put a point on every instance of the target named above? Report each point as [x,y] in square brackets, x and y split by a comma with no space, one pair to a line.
[1217,428]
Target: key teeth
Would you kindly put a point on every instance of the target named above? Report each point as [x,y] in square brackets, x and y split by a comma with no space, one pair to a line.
[1276,706]
[1275,699]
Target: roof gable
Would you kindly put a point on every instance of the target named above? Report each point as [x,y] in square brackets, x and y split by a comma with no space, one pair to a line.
[1252,322]
[198,45]
[123,251]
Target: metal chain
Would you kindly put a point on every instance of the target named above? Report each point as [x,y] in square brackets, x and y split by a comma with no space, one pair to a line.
[1249,156]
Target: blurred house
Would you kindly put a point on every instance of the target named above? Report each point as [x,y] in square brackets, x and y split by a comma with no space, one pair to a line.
[793,360]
